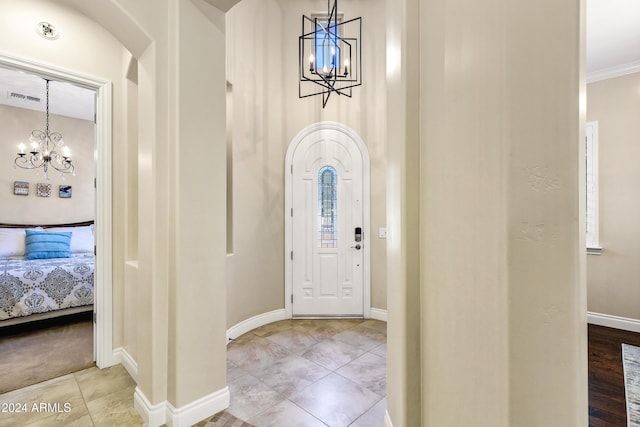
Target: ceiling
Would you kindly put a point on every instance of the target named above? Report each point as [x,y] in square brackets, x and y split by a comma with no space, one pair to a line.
[613,49]
[19,89]
[613,38]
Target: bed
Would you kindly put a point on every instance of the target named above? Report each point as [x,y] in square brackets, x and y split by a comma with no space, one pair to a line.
[51,285]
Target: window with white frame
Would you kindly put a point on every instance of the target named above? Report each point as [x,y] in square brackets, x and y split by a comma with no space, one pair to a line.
[593,236]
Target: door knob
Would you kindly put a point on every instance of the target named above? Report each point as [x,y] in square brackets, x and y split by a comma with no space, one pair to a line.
[356,246]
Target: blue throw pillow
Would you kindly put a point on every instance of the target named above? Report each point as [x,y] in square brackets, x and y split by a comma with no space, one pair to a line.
[43,244]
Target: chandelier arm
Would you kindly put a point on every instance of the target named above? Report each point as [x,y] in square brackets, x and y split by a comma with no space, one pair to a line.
[22,162]
[29,163]
[65,167]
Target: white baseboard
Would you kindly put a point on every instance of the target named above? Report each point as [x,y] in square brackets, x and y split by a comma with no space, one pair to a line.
[387,419]
[152,415]
[198,410]
[255,322]
[624,323]
[184,416]
[122,356]
[275,316]
[379,314]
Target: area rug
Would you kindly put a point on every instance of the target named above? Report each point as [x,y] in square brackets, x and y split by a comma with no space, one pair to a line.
[631,364]
[43,350]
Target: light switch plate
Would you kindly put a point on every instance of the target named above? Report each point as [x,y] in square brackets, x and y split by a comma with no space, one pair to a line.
[382,232]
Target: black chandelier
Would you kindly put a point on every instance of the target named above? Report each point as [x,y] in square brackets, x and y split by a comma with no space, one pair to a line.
[329,55]
[43,150]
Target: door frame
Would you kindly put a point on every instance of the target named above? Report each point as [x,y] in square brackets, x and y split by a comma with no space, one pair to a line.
[366,213]
[103,292]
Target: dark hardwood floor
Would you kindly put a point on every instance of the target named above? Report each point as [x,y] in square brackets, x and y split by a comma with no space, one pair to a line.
[607,407]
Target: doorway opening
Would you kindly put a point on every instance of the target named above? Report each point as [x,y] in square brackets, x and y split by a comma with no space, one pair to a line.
[101,188]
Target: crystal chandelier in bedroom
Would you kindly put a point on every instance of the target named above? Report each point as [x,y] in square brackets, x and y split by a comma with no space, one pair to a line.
[44,146]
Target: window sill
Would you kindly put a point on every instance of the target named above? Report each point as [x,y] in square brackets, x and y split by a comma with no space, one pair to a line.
[594,251]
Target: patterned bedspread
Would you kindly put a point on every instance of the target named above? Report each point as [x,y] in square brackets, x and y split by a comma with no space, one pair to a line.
[38,286]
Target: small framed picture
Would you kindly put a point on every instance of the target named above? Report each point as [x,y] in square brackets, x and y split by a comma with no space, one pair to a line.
[21,188]
[44,190]
[65,191]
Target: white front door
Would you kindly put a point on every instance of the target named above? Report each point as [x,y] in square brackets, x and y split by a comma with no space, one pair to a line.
[327,220]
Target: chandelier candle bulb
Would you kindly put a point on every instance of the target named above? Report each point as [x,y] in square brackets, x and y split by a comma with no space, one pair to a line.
[21,146]
[311,60]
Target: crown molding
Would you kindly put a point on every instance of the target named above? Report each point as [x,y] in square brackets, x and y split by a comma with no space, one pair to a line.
[612,72]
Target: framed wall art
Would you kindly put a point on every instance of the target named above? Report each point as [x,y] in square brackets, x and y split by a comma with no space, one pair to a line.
[65,191]
[43,190]
[21,188]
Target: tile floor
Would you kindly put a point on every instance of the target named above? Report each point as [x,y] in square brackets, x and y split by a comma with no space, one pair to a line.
[308,373]
[91,397]
[293,373]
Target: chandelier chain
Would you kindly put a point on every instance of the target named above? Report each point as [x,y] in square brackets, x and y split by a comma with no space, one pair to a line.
[47,108]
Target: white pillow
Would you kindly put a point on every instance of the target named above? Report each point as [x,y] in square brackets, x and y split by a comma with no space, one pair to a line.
[81,239]
[12,242]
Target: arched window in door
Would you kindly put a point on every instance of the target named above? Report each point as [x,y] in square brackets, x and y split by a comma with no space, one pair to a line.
[327,207]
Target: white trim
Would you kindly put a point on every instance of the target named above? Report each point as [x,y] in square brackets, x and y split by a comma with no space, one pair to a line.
[387,419]
[594,251]
[122,356]
[103,306]
[152,415]
[366,188]
[103,227]
[198,410]
[379,314]
[255,322]
[264,319]
[186,415]
[592,197]
[623,323]
[612,72]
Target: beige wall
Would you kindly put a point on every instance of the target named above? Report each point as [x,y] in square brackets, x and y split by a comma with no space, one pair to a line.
[613,276]
[200,214]
[262,61]
[16,125]
[404,363]
[153,129]
[503,304]
[179,271]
